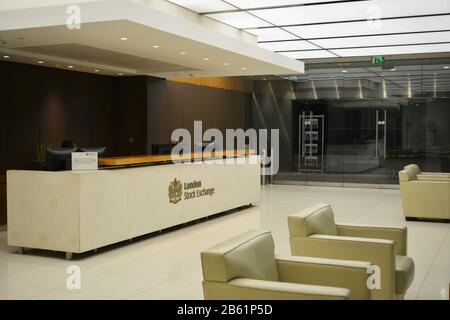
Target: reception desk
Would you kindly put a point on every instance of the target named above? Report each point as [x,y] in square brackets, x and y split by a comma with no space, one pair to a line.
[78,211]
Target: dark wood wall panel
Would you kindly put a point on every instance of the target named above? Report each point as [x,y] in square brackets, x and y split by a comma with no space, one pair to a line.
[131,116]
[40,105]
[173,105]
[47,106]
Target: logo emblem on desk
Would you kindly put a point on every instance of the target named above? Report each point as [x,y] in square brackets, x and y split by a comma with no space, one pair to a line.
[175,191]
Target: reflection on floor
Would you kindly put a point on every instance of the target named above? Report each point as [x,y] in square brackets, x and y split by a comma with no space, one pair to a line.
[167,266]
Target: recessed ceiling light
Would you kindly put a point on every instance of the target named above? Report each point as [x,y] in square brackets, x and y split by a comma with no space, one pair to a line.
[226,64]
[446,67]
[96,70]
[244,68]
[393,69]
[155,46]
[344,71]
[120,74]
[6,57]
[124,39]
[70,67]
[183,52]
[41,62]
[205,59]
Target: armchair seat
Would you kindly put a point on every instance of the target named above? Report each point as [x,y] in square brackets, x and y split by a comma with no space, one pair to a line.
[404,274]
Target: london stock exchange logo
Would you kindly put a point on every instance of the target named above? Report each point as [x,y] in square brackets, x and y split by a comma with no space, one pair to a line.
[175,191]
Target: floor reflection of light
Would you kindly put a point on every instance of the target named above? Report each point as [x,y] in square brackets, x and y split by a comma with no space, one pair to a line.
[384,89]
[444,294]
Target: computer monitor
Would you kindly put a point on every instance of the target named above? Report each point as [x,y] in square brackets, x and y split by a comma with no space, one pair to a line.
[57,159]
[158,149]
[99,150]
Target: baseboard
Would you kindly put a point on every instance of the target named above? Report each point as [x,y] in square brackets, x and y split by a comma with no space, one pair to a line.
[438,220]
[3,227]
[337,184]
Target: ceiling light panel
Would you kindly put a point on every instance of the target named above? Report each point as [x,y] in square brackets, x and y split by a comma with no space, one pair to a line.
[252,4]
[203,5]
[240,20]
[314,54]
[361,52]
[371,28]
[430,37]
[289,45]
[347,11]
[271,34]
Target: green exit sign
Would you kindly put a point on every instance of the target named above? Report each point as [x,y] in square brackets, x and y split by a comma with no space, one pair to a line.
[378,59]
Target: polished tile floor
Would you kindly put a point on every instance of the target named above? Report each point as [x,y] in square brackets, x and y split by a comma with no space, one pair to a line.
[167,266]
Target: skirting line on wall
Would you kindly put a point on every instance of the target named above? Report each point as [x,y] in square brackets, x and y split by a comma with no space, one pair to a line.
[338,184]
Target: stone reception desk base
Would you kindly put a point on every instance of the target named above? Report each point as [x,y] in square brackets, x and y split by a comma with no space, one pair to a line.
[75,212]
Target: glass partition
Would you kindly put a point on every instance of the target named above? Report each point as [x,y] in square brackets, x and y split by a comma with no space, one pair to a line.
[375,121]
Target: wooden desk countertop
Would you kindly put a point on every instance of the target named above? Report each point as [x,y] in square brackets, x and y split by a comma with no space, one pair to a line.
[153,159]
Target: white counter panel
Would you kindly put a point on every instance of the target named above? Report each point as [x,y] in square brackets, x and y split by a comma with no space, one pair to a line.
[81,211]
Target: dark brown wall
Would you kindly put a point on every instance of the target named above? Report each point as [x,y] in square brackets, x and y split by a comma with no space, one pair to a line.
[46,106]
[173,105]
[40,105]
[2,199]
[131,116]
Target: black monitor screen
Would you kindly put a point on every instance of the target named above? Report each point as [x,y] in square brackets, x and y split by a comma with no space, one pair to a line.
[57,159]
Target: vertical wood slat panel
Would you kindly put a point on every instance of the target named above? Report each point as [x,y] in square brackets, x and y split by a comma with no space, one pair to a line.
[227,83]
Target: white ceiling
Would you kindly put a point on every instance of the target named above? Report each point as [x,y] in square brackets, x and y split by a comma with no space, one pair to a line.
[311,29]
[156,36]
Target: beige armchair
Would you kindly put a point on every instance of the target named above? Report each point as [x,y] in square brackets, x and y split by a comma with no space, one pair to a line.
[313,232]
[245,267]
[424,198]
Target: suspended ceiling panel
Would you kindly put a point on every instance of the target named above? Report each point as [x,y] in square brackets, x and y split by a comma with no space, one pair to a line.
[332,29]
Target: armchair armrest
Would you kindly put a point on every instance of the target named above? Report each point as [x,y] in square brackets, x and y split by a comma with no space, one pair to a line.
[326,272]
[380,252]
[432,177]
[443,174]
[282,290]
[396,234]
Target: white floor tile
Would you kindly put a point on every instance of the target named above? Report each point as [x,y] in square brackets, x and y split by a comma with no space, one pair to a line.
[14,291]
[168,266]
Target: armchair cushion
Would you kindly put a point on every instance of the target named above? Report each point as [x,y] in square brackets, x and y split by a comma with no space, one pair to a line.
[396,234]
[318,219]
[326,272]
[250,289]
[404,273]
[308,291]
